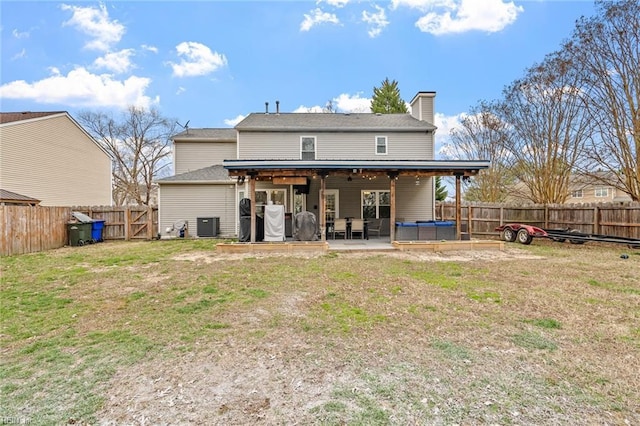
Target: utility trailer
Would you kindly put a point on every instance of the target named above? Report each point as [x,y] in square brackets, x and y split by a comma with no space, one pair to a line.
[524,234]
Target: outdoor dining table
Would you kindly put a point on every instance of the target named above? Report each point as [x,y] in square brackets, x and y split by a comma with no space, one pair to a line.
[348,236]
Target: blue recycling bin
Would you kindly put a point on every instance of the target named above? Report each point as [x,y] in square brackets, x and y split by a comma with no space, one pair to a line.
[97,230]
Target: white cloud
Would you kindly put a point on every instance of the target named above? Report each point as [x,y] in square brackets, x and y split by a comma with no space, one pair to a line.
[95,23]
[305,109]
[458,16]
[342,104]
[233,121]
[18,34]
[149,48]
[352,103]
[445,123]
[423,4]
[118,62]
[21,54]
[334,3]
[316,17]
[197,59]
[82,88]
[180,90]
[377,21]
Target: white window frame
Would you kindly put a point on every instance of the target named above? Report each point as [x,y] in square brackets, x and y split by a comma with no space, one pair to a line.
[577,193]
[260,207]
[377,204]
[315,147]
[386,145]
[335,193]
[601,192]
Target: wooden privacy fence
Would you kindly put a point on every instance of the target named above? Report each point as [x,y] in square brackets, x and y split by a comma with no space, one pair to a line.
[30,229]
[622,220]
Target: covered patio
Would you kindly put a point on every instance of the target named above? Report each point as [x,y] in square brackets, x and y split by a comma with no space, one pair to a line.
[297,172]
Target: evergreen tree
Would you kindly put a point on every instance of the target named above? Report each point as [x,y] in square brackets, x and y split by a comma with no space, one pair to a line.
[441,191]
[386,99]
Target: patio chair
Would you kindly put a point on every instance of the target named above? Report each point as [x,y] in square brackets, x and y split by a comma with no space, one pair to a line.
[357,225]
[375,226]
[340,227]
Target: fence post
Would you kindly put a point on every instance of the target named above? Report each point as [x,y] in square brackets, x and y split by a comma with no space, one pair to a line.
[127,222]
[546,216]
[469,220]
[149,222]
[596,220]
[501,215]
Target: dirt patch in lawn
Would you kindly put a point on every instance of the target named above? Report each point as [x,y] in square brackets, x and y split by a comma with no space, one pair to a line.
[454,344]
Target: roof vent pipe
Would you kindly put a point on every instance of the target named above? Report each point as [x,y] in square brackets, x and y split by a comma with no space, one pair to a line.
[277,107]
[266,107]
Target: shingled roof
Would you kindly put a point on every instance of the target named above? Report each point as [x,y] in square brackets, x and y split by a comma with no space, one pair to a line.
[10,117]
[206,175]
[15,198]
[360,122]
[210,135]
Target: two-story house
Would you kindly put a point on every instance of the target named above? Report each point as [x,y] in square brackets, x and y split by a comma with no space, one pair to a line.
[370,166]
[48,156]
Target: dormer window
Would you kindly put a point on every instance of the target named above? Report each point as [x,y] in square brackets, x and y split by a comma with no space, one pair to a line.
[381,145]
[308,148]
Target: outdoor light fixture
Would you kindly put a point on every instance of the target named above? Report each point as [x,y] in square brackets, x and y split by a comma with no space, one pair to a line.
[349,179]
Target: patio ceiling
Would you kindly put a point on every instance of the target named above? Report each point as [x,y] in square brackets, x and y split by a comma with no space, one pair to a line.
[354,167]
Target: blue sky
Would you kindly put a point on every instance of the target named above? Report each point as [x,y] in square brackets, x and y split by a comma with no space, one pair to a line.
[213,62]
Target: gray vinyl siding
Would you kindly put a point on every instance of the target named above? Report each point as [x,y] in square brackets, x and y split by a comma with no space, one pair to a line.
[336,145]
[412,202]
[55,161]
[424,108]
[189,156]
[188,202]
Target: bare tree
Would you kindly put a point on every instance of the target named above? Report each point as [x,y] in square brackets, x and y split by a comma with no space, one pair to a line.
[607,48]
[547,128]
[480,136]
[140,146]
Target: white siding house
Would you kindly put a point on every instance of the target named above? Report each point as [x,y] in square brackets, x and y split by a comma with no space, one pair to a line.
[50,157]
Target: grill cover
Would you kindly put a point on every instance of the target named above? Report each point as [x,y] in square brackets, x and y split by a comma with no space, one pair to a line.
[305,226]
[274,223]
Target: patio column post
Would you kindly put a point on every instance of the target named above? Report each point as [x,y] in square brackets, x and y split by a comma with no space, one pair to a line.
[252,197]
[392,219]
[458,207]
[322,210]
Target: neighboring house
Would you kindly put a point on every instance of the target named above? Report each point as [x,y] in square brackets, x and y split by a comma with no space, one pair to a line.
[369,166]
[582,190]
[50,157]
[585,189]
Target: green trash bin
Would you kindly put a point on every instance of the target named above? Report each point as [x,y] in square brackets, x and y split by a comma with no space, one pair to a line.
[79,234]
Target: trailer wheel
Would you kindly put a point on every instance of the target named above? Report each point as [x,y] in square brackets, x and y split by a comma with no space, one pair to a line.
[575,241]
[524,237]
[509,235]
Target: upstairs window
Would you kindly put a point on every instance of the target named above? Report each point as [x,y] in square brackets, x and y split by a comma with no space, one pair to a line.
[576,193]
[308,148]
[381,145]
[602,192]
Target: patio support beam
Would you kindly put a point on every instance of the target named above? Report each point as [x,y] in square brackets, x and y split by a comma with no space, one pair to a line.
[458,207]
[392,219]
[322,210]
[252,197]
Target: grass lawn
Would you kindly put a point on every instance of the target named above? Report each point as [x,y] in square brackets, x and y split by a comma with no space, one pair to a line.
[171,332]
